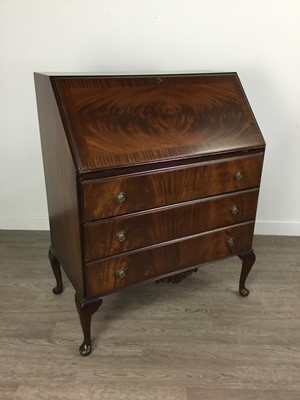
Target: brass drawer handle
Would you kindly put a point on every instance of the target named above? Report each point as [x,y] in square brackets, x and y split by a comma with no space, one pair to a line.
[120,197]
[121,273]
[230,242]
[234,210]
[238,175]
[121,236]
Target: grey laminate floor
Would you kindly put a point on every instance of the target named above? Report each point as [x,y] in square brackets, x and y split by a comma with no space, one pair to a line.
[196,340]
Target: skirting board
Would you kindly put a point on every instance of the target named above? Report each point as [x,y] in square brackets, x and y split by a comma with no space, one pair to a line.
[284,228]
[12,222]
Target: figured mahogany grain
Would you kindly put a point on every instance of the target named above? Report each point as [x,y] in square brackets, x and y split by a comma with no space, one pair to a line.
[171,222]
[182,149]
[153,263]
[117,121]
[61,185]
[159,188]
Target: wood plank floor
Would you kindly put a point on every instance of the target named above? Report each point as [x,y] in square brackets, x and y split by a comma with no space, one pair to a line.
[196,340]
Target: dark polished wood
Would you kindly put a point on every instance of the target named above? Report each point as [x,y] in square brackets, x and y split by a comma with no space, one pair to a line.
[61,185]
[85,311]
[248,259]
[157,189]
[115,121]
[149,264]
[167,223]
[147,178]
[58,289]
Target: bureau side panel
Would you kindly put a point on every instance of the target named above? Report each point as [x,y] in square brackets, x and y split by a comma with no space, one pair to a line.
[61,183]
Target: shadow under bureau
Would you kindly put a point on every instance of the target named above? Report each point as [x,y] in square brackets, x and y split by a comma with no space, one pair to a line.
[147,177]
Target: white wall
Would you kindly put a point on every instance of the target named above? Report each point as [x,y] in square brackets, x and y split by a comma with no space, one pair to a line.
[259,39]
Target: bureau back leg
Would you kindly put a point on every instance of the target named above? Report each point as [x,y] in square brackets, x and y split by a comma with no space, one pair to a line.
[86,311]
[57,272]
[248,260]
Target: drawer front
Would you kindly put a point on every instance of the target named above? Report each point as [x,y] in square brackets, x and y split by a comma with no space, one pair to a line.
[144,265]
[117,196]
[120,234]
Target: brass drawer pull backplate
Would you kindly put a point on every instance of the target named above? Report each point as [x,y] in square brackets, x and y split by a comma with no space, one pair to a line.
[238,175]
[230,242]
[121,236]
[121,273]
[120,197]
[234,210]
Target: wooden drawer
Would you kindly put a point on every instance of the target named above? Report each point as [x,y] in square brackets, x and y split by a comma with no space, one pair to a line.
[155,189]
[120,234]
[160,260]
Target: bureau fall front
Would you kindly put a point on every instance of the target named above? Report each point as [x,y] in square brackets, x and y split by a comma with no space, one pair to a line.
[147,178]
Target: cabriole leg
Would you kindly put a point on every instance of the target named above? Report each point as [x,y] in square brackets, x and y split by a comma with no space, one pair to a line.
[86,311]
[57,272]
[248,260]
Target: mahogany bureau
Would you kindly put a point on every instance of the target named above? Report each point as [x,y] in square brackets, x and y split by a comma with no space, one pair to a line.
[147,177]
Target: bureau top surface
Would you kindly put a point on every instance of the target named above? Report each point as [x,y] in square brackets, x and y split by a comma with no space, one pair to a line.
[116,121]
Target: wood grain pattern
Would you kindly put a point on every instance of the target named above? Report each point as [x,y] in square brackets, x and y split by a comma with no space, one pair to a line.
[149,343]
[123,145]
[144,265]
[149,190]
[197,393]
[115,121]
[61,185]
[163,224]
